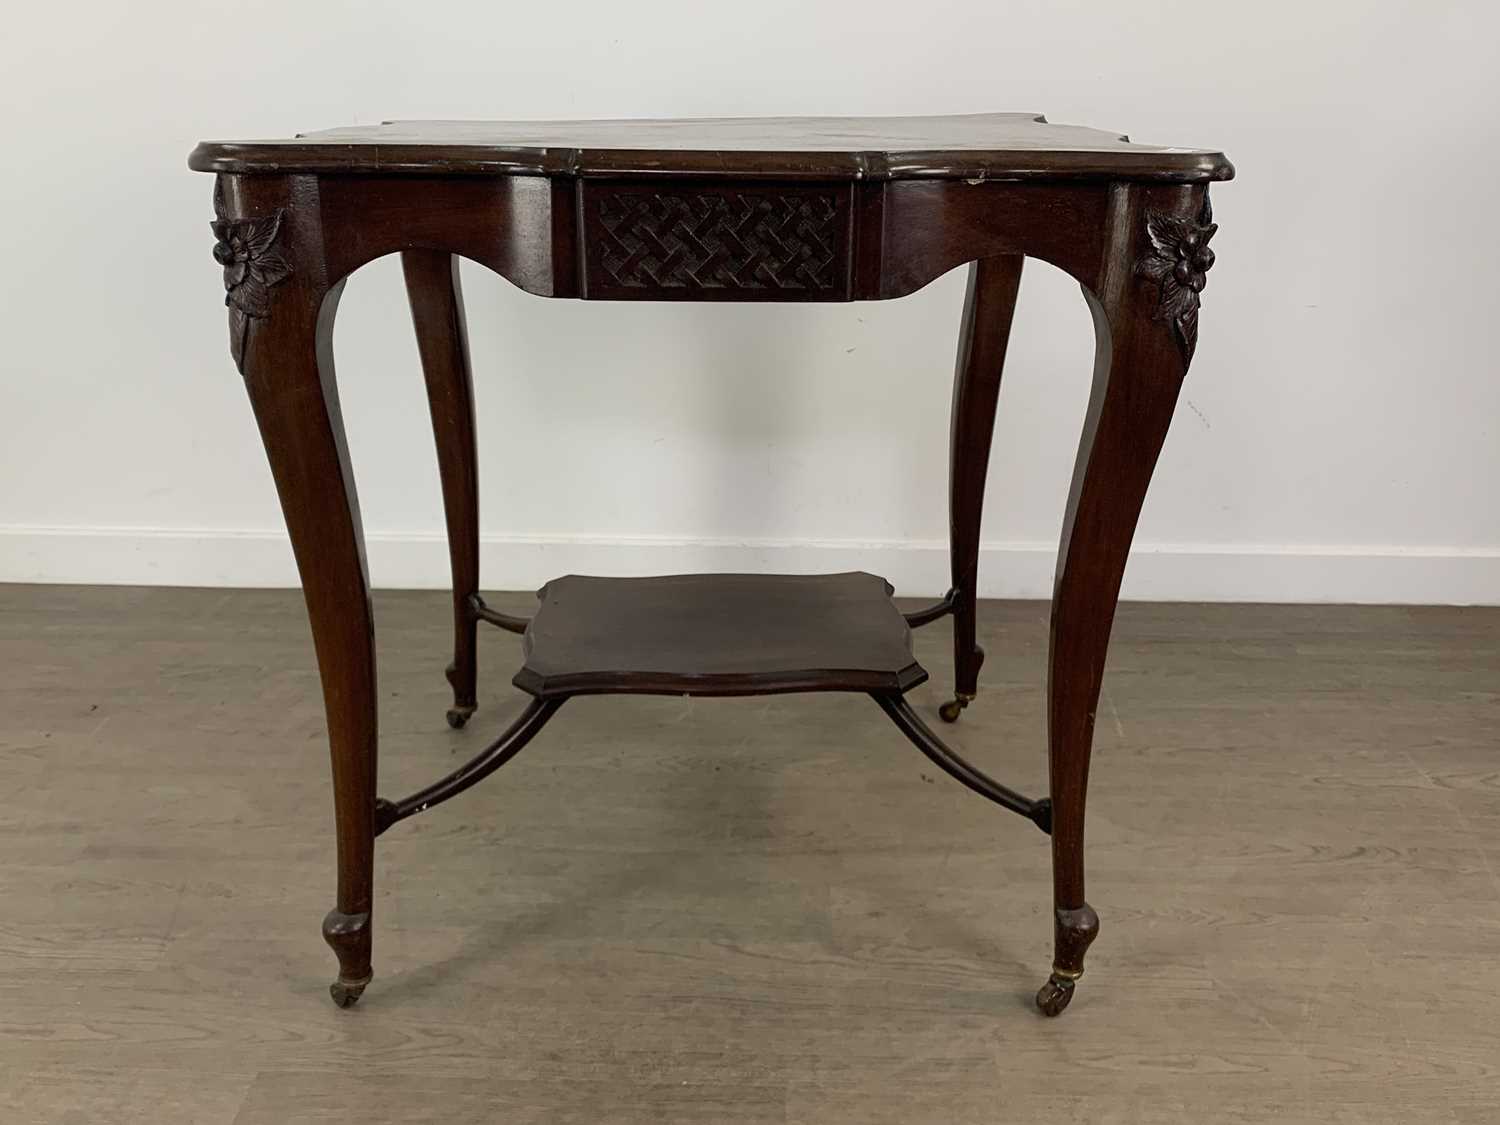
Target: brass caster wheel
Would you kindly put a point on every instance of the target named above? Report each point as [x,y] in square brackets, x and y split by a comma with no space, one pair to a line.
[458,717]
[950,711]
[1055,995]
[345,994]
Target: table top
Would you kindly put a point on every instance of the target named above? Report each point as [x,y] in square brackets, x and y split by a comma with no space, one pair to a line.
[999,146]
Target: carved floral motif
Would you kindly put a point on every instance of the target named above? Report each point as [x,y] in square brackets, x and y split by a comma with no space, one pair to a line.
[1179,262]
[252,265]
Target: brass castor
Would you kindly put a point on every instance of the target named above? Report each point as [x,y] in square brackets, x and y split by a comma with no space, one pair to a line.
[1055,995]
[458,717]
[345,993]
[950,711]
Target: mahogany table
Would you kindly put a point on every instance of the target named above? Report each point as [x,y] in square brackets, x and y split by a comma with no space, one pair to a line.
[813,209]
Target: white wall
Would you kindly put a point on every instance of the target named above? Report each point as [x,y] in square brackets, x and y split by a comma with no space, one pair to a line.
[1337,440]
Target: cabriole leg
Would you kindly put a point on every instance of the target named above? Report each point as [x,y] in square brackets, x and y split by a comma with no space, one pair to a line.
[1145,322]
[437,312]
[989,306]
[281,334]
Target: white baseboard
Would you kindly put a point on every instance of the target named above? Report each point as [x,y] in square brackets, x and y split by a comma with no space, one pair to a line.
[417,560]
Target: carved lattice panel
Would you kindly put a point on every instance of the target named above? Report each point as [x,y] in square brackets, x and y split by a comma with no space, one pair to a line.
[776,242]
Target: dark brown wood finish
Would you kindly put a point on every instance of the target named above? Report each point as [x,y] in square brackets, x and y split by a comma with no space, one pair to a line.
[954,765]
[475,770]
[1004,146]
[718,634]
[644,241]
[989,306]
[287,353]
[812,210]
[1138,371]
[437,311]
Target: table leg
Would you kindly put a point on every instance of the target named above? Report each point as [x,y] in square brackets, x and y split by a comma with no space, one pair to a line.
[281,333]
[289,374]
[989,306]
[1145,323]
[437,311]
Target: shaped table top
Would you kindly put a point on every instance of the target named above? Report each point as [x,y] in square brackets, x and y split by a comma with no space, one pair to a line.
[998,146]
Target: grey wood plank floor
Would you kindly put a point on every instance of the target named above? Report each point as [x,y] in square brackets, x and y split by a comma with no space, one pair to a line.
[765,910]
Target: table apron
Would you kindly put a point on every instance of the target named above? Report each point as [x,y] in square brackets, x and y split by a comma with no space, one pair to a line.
[710,239]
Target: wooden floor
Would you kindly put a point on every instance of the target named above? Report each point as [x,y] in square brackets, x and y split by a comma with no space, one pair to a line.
[763,910]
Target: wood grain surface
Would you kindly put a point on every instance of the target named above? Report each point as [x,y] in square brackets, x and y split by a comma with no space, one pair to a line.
[750,910]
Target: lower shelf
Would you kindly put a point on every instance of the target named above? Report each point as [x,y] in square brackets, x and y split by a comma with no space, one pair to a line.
[713,634]
[718,634]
